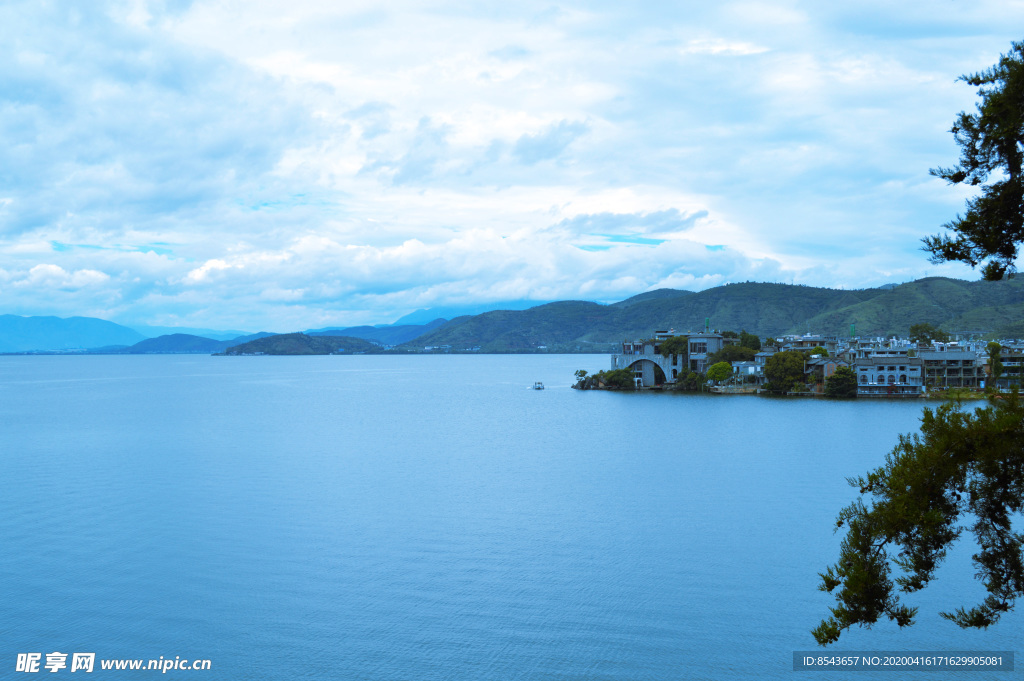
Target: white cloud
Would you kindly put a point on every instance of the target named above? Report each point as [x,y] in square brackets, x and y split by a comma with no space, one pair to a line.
[720,46]
[257,164]
[49,276]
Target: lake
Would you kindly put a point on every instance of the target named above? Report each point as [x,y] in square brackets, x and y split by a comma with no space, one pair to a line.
[431,517]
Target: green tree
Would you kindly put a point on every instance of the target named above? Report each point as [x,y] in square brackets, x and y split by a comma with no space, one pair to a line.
[926,333]
[963,469]
[675,345]
[818,350]
[842,383]
[749,340]
[617,378]
[690,381]
[730,334]
[995,360]
[991,145]
[784,370]
[732,353]
[719,372]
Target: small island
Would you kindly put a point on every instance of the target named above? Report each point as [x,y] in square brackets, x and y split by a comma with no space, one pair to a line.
[301,344]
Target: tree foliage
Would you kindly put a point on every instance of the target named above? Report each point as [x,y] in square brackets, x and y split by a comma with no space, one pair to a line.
[750,340]
[617,378]
[719,372]
[818,350]
[842,383]
[926,333]
[732,353]
[784,370]
[675,345]
[995,360]
[962,470]
[991,144]
[690,381]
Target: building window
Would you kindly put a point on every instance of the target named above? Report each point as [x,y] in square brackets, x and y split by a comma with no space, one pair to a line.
[903,379]
[863,379]
[903,368]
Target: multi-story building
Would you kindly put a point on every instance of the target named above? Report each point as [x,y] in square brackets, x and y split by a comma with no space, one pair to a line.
[818,369]
[645,359]
[949,365]
[889,372]
[1012,357]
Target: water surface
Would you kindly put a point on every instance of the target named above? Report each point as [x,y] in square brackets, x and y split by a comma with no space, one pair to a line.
[430,517]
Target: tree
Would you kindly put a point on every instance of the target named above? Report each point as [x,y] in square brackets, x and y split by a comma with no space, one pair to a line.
[962,467]
[995,360]
[926,333]
[617,378]
[719,372]
[675,345]
[732,353]
[818,350]
[749,340]
[690,381]
[784,370]
[991,144]
[842,383]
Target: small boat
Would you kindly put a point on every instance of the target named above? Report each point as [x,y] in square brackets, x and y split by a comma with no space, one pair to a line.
[538,386]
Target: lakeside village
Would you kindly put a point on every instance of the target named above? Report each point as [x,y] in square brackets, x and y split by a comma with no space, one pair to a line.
[927,364]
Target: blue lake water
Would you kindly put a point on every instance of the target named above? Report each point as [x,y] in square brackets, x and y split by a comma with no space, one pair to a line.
[430,517]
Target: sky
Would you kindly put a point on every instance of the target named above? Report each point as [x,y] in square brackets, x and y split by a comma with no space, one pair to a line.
[276,165]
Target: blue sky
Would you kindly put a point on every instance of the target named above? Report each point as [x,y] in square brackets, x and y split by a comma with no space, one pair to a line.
[285,165]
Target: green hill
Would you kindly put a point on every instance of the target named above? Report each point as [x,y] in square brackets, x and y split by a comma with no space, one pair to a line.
[950,304]
[301,344]
[764,309]
[385,335]
[653,295]
[178,343]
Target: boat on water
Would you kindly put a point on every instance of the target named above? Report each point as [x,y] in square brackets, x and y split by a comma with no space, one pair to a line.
[538,386]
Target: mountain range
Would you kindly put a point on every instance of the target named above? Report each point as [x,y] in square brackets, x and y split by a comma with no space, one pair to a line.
[987,308]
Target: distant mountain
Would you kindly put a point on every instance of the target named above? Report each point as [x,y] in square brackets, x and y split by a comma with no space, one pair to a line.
[157,331]
[565,326]
[302,344]
[764,309]
[429,315]
[178,343]
[653,295]
[22,334]
[582,326]
[952,304]
[384,335]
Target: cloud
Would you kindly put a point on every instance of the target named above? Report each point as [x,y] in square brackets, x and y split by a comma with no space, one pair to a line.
[48,276]
[720,46]
[260,165]
[549,144]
